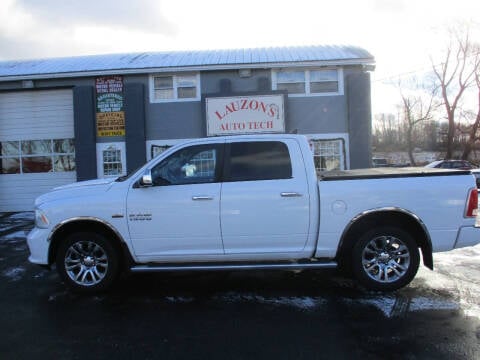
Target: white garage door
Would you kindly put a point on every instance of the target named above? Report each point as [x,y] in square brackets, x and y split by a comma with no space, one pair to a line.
[36,145]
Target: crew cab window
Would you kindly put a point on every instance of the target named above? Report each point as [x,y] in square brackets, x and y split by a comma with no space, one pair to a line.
[262,160]
[190,165]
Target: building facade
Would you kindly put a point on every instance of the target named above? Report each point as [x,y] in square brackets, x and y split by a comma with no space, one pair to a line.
[72,119]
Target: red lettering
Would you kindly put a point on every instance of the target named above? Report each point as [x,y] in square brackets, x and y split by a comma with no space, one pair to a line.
[220,117]
[263,107]
[253,105]
[244,104]
[229,109]
[271,112]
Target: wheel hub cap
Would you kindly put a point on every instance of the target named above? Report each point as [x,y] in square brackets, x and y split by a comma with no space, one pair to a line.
[86,263]
[386,259]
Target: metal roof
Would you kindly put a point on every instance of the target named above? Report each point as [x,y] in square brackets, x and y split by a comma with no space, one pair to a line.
[183,61]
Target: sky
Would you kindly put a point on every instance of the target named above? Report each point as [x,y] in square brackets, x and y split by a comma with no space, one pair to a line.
[402,35]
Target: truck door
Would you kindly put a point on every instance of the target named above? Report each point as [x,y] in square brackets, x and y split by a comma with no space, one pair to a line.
[180,213]
[265,198]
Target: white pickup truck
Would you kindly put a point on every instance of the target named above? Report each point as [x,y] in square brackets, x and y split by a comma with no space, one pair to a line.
[253,202]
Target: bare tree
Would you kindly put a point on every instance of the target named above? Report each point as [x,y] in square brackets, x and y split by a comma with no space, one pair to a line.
[417,106]
[456,73]
[473,134]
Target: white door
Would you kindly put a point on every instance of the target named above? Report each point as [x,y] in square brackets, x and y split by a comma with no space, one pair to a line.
[265,198]
[180,213]
[36,145]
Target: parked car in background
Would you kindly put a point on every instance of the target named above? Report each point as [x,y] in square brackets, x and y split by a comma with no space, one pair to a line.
[476,173]
[451,164]
[379,162]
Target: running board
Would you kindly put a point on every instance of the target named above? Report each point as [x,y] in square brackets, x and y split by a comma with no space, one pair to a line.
[234,266]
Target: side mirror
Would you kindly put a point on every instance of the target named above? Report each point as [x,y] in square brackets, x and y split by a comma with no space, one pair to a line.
[146,180]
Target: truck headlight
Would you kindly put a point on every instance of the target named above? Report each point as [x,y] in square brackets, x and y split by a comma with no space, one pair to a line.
[41,219]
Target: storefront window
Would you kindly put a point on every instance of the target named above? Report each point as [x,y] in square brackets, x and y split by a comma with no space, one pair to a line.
[37,156]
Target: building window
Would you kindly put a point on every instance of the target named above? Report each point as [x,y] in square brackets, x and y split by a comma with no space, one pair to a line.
[165,88]
[314,82]
[37,156]
[156,150]
[112,161]
[328,154]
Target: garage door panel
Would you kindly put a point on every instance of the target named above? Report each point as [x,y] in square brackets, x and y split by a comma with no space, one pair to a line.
[34,115]
[19,194]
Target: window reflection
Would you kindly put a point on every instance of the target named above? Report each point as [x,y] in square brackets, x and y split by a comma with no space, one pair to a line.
[34,147]
[8,148]
[37,156]
[10,165]
[37,164]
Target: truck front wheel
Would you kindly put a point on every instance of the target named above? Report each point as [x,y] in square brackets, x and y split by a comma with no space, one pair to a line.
[87,262]
[385,259]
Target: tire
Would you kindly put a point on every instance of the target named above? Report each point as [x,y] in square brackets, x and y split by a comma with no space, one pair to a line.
[87,262]
[385,259]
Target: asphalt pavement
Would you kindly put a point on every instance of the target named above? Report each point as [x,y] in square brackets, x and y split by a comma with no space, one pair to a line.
[243,315]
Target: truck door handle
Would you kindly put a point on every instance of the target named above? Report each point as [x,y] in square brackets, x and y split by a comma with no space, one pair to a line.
[197,198]
[290,194]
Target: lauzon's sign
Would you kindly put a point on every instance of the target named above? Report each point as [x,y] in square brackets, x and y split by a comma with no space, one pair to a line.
[245,114]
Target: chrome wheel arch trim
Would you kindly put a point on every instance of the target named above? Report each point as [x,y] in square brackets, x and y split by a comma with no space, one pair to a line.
[384,210]
[84,218]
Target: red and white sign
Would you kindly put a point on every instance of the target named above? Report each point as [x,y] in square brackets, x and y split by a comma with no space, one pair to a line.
[245,114]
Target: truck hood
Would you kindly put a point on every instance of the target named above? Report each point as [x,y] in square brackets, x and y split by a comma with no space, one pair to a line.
[79,189]
[82,184]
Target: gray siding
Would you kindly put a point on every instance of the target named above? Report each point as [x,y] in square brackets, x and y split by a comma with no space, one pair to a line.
[359,120]
[84,127]
[135,126]
[317,115]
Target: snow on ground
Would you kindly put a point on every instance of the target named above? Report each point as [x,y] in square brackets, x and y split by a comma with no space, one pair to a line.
[12,222]
[458,273]
[14,274]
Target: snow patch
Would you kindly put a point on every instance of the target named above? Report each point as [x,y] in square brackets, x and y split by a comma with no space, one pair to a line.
[179,299]
[306,303]
[14,274]
[424,303]
[19,235]
[384,304]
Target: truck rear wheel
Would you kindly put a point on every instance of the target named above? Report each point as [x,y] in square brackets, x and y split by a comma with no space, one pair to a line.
[385,259]
[87,262]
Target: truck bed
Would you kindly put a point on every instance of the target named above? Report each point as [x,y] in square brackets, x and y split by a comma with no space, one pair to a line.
[378,173]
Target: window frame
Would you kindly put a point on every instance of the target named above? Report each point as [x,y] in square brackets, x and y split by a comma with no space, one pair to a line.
[116,146]
[51,154]
[307,92]
[175,87]
[342,158]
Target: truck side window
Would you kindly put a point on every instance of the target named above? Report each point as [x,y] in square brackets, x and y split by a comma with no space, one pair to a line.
[258,160]
[190,165]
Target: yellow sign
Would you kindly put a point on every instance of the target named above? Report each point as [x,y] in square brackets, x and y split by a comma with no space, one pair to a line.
[111,124]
